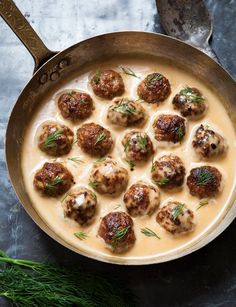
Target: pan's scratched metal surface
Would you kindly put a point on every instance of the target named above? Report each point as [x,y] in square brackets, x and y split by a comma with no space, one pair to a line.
[205,278]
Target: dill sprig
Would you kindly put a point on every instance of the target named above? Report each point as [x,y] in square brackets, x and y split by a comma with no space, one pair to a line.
[51,138]
[80,235]
[204,177]
[29,283]
[117,206]
[142,142]
[162,181]
[126,146]
[93,184]
[125,108]
[149,233]
[76,160]
[131,164]
[52,184]
[99,160]
[202,203]
[121,233]
[153,168]
[180,133]
[100,138]
[177,211]
[129,71]
[97,76]
[188,92]
[154,77]
[71,94]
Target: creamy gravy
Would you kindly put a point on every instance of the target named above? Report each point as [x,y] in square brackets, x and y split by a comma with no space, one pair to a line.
[50,209]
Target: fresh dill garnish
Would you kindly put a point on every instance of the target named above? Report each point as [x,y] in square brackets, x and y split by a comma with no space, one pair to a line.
[71,94]
[178,209]
[154,77]
[131,164]
[125,108]
[129,71]
[202,203]
[51,138]
[153,168]
[188,92]
[100,160]
[121,233]
[52,184]
[29,283]
[117,206]
[162,181]
[142,142]
[204,177]
[80,235]
[94,196]
[64,197]
[75,141]
[76,160]
[100,138]
[126,145]
[97,76]
[180,133]
[82,101]
[93,184]
[149,233]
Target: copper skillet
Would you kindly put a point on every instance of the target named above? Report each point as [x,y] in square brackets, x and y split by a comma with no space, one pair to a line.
[51,67]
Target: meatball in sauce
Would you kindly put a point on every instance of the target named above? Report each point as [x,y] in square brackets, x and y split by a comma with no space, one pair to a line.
[154,88]
[208,144]
[107,84]
[204,181]
[107,177]
[141,199]
[75,105]
[137,146]
[55,139]
[169,128]
[176,218]
[94,139]
[126,112]
[80,206]
[116,229]
[168,172]
[53,179]
[190,102]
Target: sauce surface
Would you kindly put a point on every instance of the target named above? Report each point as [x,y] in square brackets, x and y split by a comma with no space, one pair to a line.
[50,209]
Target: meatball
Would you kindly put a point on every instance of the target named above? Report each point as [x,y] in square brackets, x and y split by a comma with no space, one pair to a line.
[168,172]
[154,88]
[204,181]
[137,146]
[94,139]
[55,139]
[107,84]
[80,206]
[169,128]
[190,102]
[141,199]
[208,143]
[53,179]
[107,177]
[116,229]
[75,105]
[126,112]
[176,218]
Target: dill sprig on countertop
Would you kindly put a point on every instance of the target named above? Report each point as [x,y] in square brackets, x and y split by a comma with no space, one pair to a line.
[30,283]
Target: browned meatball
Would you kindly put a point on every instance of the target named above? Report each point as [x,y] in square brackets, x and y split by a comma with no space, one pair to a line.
[125,112]
[75,105]
[107,177]
[94,139]
[176,218]
[204,181]
[107,84]
[53,179]
[208,143]
[168,172]
[169,128]
[137,146]
[55,139]
[80,206]
[141,199]
[116,229]
[190,102]
[154,88]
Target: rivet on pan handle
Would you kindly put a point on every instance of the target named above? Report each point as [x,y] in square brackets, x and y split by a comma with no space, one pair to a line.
[13,17]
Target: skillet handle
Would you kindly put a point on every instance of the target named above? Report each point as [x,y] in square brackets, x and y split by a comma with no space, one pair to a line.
[18,23]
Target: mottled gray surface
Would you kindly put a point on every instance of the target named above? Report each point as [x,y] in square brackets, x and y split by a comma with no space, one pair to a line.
[206,278]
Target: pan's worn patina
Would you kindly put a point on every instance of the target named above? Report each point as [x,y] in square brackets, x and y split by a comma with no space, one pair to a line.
[52,67]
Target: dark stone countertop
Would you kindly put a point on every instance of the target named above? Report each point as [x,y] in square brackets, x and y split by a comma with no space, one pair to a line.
[205,278]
